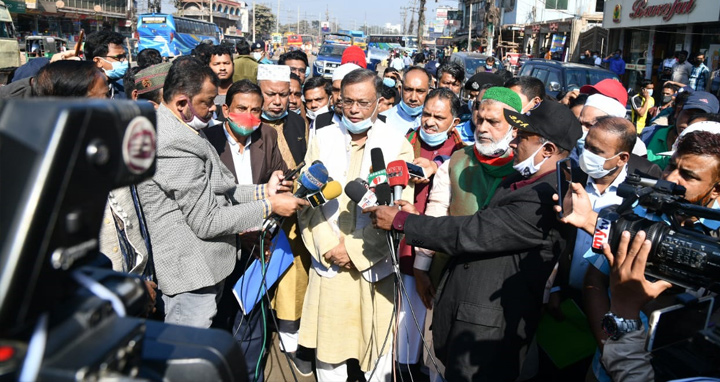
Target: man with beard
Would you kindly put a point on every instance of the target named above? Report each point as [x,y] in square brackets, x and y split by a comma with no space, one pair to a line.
[193,207]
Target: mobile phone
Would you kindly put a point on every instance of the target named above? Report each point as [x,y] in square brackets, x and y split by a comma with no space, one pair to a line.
[79,43]
[678,322]
[415,171]
[563,170]
[291,174]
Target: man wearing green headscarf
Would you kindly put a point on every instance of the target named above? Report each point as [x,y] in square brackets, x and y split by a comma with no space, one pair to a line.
[467,181]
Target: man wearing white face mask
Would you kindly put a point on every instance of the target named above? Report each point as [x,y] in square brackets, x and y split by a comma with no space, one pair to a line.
[348,305]
[484,323]
[406,115]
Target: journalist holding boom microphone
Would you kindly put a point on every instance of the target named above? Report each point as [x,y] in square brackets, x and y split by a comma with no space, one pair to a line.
[695,165]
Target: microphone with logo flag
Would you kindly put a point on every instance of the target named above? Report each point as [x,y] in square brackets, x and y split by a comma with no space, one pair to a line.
[361,195]
[398,177]
[330,191]
[311,181]
[378,176]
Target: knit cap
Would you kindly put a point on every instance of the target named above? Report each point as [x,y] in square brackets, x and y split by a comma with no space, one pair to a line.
[152,77]
[505,96]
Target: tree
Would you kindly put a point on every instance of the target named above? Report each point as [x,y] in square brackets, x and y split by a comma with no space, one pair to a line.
[264,20]
[421,23]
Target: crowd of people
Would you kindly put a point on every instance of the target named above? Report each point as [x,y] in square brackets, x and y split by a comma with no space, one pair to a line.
[482,253]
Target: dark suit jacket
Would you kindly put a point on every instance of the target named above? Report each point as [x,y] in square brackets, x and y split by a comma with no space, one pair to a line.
[294,132]
[487,308]
[264,154]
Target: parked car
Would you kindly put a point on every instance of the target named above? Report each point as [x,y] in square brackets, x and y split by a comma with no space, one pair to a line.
[561,77]
[328,58]
[471,62]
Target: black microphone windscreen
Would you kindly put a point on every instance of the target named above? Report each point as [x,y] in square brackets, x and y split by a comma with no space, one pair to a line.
[355,191]
[383,193]
[377,159]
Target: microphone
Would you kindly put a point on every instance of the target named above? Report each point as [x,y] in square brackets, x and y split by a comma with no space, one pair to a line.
[312,179]
[379,175]
[361,195]
[310,182]
[330,191]
[398,177]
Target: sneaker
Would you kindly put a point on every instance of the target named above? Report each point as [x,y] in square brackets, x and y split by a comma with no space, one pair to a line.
[301,366]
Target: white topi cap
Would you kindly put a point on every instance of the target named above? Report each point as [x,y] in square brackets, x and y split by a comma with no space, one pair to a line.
[268,72]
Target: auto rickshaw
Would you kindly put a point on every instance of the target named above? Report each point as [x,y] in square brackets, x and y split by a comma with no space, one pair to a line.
[44,46]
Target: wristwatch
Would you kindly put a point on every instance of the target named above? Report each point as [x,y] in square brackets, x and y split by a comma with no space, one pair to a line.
[615,326]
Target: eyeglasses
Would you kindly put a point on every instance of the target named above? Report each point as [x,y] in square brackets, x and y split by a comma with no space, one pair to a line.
[348,103]
[119,57]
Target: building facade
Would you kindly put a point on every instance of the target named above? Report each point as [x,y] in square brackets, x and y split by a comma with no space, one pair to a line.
[231,16]
[649,31]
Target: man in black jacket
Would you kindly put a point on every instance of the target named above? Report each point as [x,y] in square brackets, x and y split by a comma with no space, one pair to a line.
[488,305]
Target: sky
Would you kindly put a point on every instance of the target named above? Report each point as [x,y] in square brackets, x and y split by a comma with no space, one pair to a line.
[351,13]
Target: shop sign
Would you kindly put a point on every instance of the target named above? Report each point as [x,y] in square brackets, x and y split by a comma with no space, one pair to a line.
[31,4]
[15,7]
[643,13]
[667,10]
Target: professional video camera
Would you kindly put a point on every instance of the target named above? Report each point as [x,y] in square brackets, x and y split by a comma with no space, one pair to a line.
[61,316]
[684,256]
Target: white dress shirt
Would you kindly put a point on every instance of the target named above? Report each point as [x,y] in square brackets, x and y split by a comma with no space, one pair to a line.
[584,240]
[243,168]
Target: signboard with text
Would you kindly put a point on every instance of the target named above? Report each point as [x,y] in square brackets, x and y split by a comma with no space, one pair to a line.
[643,13]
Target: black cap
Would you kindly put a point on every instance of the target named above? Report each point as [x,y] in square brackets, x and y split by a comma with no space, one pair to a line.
[551,120]
[258,45]
[479,79]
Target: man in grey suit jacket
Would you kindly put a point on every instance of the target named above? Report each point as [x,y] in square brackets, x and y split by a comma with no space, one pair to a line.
[193,207]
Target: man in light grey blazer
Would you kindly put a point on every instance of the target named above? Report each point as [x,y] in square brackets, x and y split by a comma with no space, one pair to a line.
[193,207]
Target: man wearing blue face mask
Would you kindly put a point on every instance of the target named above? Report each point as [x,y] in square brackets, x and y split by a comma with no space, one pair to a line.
[106,49]
[436,138]
[617,64]
[405,116]
[349,294]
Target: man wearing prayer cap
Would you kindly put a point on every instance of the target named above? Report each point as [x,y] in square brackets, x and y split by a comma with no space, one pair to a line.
[274,82]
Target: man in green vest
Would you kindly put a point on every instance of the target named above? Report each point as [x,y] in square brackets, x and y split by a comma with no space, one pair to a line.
[467,181]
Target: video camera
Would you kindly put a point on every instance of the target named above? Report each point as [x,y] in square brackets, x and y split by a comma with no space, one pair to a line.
[62,317]
[687,257]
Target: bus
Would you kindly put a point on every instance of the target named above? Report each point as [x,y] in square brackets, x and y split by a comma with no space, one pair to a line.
[276,39]
[9,52]
[173,35]
[292,40]
[387,41]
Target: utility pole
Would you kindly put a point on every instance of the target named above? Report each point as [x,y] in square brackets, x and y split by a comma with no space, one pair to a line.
[298,28]
[404,17]
[421,24]
[253,20]
[211,11]
[277,22]
[470,30]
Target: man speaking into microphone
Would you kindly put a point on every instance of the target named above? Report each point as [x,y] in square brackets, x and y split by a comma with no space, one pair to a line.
[349,301]
[488,307]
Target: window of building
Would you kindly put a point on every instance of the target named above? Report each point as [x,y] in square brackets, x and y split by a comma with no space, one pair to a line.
[556,4]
